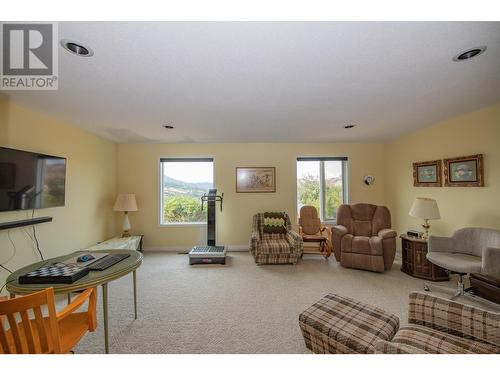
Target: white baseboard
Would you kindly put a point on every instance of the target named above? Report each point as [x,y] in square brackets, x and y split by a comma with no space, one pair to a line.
[184,249]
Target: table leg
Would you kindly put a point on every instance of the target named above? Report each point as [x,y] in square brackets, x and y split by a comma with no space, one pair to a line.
[135,294]
[105,313]
[12,295]
[69,298]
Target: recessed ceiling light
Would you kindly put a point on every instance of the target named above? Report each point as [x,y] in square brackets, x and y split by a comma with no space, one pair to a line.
[168,126]
[469,54]
[76,48]
[349,126]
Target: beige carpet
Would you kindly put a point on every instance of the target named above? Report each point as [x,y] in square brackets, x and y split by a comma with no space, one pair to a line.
[236,308]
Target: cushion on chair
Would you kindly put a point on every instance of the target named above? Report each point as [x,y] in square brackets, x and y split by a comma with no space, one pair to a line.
[362,228]
[274,222]
[275,246]
[309,220]
[456,262]
[437,342]
[361,245]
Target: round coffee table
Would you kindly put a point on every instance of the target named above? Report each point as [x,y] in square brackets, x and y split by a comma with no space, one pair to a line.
[93,279]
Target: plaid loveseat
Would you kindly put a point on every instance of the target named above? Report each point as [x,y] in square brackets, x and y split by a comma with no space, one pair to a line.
[274,248]
[441,326]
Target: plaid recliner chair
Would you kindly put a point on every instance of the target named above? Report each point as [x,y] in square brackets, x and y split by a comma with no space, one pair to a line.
[274,248]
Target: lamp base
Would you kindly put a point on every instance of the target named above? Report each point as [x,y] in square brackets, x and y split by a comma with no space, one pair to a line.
[126,226]
[426,227]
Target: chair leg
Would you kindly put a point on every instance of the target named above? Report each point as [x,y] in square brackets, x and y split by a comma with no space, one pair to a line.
[456,292]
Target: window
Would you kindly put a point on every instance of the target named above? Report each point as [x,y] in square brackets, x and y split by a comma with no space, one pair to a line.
[182,183]
[322,183]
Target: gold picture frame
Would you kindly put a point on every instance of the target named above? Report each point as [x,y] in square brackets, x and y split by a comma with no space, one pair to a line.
[255,179]
[464,171]
[427,173]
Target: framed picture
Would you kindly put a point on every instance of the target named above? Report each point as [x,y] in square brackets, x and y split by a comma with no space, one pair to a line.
[255,179]
[464,171]
[7,175]
[427,173]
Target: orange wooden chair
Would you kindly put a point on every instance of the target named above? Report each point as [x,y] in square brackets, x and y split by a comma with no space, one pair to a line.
[56,333]
[312,231]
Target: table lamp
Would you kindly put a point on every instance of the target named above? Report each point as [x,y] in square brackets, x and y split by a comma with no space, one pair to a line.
[125,202]
[427,209]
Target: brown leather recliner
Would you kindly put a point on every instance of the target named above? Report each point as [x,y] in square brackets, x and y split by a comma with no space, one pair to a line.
[362,237]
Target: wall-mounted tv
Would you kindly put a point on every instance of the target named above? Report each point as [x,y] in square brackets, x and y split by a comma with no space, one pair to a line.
[31,180]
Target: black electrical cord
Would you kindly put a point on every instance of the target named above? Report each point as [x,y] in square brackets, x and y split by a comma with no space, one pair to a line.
[37,244]
[34,235]
[13,255]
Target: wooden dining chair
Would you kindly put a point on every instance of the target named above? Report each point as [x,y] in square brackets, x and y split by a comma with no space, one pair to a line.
[30,332]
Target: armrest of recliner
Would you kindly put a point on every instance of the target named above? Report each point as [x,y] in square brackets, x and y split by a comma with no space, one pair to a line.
[339,230]
[440,244]
[387,233]
[490,261]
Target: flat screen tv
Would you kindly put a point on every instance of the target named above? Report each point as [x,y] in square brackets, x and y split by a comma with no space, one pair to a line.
[29,180]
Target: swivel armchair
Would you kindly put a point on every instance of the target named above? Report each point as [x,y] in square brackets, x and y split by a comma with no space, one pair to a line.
[468,250]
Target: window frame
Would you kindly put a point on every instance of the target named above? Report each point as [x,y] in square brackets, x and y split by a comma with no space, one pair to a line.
[160,188]
[345,183]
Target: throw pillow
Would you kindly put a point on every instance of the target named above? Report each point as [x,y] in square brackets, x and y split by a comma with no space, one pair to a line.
[274,222]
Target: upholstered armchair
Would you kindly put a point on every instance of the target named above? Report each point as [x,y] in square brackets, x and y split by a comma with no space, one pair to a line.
[468,250]
[274,248]
[362,237]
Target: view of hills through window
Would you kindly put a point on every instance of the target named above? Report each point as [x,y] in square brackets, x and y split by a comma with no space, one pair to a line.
[320,184]
[183,184]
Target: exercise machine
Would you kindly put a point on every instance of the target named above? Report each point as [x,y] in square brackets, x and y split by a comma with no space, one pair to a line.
[210,253]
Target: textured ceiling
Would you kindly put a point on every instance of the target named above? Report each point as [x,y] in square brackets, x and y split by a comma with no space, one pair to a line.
[269,81]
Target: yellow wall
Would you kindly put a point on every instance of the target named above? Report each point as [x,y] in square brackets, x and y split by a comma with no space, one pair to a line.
[473,133]
[138,172]
[90,187]
[97,169]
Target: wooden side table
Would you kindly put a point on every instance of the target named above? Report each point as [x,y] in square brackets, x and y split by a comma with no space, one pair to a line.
[415,263]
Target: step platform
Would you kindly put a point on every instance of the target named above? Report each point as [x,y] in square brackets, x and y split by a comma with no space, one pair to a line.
[207,255]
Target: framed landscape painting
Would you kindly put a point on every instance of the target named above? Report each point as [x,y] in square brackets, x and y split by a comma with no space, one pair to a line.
[464,171]
[427,173]
[255,179]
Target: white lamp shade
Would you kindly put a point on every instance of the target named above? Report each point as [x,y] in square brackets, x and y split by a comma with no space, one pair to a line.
[125,202]
[425,208]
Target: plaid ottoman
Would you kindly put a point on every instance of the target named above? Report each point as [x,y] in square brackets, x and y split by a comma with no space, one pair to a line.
[337,324]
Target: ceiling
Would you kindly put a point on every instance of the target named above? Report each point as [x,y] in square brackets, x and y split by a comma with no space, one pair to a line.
[269,81]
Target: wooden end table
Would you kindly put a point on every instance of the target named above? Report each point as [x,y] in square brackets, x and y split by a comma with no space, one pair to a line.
[415,263]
